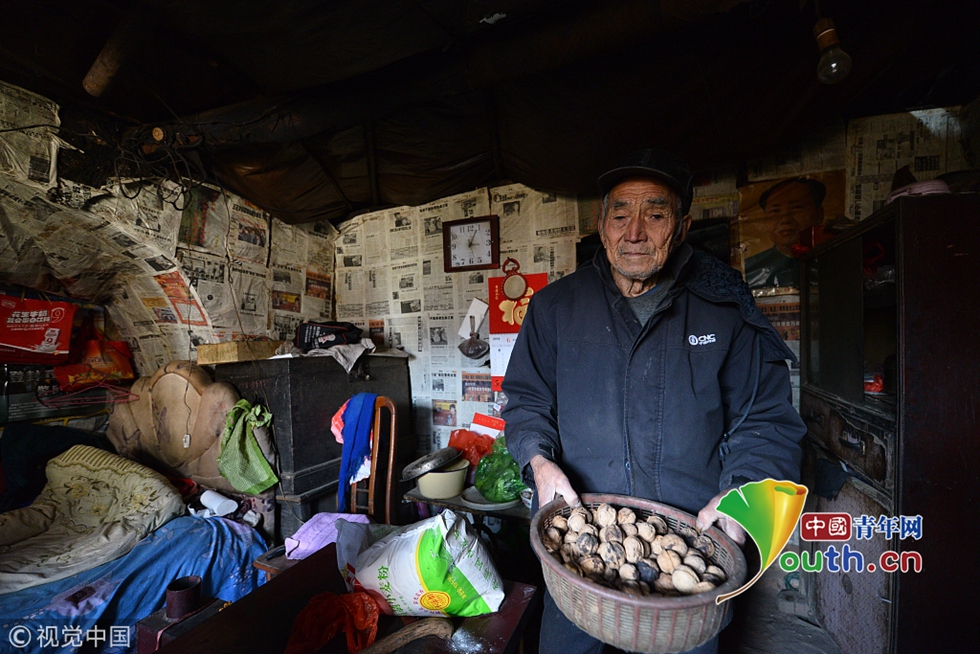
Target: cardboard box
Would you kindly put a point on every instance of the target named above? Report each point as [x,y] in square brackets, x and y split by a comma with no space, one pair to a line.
[213,353]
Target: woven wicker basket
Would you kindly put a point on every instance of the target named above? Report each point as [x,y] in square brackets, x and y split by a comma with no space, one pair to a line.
[657,625]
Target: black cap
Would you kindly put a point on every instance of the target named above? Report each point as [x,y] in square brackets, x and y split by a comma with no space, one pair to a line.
[658,164]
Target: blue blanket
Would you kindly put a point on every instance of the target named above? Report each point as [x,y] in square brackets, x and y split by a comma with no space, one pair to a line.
[84,611]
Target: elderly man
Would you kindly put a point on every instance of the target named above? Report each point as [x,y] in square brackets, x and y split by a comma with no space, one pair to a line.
[650,373]
[790,206]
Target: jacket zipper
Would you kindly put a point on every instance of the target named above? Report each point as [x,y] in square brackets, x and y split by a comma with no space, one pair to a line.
[644,330]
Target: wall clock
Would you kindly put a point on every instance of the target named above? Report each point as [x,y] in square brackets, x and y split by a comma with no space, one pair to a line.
[471,244]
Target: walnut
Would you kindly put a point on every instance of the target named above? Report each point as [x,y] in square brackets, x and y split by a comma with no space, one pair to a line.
[571,565]
[552,539]
[658,523]
[696,562]
[675,543]
[656,546]
[664,584]
[646,531]
[629,528]
[667,561]
[612,554]
[611,534]
[577,520]
[604,515]
[570,536]
[589,529]
[625,516]
[592,565]
[636,548]
[705,545]
[568,552]
[684,579]
[586,545]
[647,570]
[715,575]
[559,522]
[703,587]
[629,572]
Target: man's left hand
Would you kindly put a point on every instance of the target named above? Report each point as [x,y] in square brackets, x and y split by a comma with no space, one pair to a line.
[709,515]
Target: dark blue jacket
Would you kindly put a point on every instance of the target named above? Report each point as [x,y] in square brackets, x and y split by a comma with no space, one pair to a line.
[643,410]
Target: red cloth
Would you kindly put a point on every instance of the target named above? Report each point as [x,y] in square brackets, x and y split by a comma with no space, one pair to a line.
[356,614]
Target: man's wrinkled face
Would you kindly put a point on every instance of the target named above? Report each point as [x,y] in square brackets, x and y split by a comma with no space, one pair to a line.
[789,210]
[641,227]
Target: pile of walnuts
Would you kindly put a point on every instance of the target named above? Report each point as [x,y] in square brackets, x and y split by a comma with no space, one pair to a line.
[612,549]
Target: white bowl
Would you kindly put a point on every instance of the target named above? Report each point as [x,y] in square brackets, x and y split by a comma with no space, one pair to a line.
[445,482]
[527,496]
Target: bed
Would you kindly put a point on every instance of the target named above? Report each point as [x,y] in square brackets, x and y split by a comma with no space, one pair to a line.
[93,553]
[114,596]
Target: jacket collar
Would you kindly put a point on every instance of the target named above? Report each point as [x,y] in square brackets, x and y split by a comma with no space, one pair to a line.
[713,281]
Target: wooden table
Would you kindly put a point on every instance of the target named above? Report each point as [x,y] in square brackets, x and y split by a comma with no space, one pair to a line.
[519,513]
[260,622]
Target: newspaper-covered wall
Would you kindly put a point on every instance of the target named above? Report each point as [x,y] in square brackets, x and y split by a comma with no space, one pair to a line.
[173,271]
[390,281]
[927,141]
[29,153]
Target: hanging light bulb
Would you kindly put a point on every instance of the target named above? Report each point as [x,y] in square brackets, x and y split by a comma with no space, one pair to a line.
[834,64]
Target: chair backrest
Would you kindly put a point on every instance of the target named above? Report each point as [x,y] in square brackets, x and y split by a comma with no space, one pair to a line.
[374,496]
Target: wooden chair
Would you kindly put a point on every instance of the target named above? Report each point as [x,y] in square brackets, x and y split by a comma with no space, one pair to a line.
[364,495]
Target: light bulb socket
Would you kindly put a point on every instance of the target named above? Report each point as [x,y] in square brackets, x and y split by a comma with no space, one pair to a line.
[826,34]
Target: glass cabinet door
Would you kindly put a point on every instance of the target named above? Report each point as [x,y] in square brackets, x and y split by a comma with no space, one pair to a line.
[834,338]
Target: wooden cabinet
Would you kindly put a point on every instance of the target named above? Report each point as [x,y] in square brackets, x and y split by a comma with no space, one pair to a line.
[898,296]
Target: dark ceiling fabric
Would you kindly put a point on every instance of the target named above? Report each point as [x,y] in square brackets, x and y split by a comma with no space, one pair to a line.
[317,109]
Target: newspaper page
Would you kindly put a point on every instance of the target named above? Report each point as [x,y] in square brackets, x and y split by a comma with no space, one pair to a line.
[374,236]
[406,287]
[288,289]
[349,244]
[320,248]
[350,293]
[251,288]
[208,275]
[822,151]
[148,207]
[284,325]
[181,342]
[557,258]
[404,234]
[715,195]
[183,299]
[512,205]
[877,147]
[438,287]
[29,154]
[408,333]
[248,232]
[76,196]
[377,291]
[317,296]
[473,283]
[205,220]
[290,244]
[442,340]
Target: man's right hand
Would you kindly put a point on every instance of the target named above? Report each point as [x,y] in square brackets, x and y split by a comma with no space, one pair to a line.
[551,482]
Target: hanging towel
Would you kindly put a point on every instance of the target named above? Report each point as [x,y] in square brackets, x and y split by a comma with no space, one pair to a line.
[357,442]
[241,461]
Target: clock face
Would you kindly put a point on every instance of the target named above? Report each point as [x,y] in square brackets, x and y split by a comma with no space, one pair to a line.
[470,244]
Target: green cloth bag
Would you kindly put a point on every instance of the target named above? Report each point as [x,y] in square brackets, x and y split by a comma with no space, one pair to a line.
[241,461]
